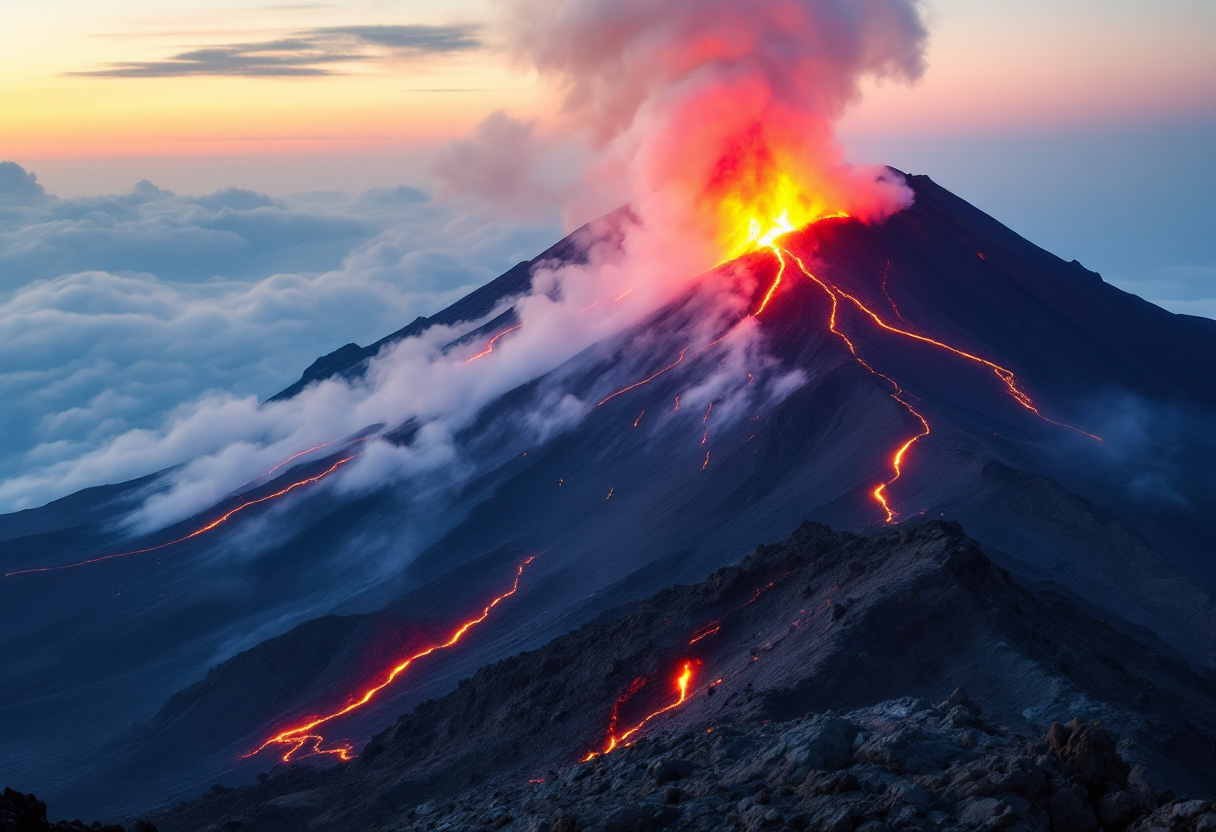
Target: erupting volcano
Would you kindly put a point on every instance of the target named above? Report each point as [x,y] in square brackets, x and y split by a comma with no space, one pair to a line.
[759,338]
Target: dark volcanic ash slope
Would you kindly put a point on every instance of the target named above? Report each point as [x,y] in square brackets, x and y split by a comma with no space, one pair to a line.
[825,620]
[635,494]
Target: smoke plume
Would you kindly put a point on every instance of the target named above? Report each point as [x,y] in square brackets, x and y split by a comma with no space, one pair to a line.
[711,119]
[707,115]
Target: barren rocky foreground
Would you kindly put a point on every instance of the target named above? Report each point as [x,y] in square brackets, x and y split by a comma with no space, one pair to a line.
[790,650]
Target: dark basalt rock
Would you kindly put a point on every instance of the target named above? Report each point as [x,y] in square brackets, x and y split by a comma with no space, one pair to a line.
[20,812]
[1025,790]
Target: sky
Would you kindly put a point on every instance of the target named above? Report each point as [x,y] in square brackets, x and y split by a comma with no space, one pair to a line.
[226,191]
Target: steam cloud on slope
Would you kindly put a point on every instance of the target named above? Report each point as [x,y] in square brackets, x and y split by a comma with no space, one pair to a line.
[695,113]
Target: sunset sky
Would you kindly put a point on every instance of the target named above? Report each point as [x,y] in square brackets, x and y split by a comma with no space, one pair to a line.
[204,78]
[1088,126]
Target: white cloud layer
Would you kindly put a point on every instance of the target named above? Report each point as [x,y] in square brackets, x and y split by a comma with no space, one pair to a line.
[114,310]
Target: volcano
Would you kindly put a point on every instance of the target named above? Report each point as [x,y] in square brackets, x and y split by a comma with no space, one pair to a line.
[936,365]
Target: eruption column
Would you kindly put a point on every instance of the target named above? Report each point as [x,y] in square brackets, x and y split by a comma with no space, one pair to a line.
[303,736]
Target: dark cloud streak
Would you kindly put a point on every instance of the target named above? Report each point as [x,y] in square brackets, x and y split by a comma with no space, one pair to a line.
[308,53]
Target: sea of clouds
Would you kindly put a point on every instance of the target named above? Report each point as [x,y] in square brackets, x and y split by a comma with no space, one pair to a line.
[117,309]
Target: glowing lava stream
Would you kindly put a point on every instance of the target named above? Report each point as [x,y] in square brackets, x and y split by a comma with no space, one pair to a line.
[490,346]
[301,736]
[1006,375]
[682,682]
[219,520]
[289,459]
[643,381]
[879,492]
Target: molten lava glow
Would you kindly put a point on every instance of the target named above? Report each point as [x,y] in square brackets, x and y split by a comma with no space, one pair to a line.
[643,381]
[289,459]
[682,681]
[1006,376]
[224,518]
[300,737]
[707,630]
[490,346]
[776,282]
[762,201]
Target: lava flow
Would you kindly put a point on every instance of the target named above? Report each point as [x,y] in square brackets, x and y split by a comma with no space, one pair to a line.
[302,736]
[647,380]
[490,346]
[769,238]
[223,518]
[682,681]
[707,630]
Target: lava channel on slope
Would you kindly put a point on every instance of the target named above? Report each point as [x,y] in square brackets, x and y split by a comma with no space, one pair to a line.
[209,526]
[304,736]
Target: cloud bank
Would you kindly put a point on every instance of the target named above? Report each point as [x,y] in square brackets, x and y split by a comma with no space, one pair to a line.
[116,310]
[310,52]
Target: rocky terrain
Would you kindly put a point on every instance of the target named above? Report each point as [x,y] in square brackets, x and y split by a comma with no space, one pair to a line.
[21,812]
[145,687]
[902,764]
[785,656]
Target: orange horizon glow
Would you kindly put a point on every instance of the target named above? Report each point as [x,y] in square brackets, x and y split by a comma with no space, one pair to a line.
[301,736]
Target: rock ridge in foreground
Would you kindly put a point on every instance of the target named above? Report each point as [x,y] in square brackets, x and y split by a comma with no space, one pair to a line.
[899,765]
[790,650]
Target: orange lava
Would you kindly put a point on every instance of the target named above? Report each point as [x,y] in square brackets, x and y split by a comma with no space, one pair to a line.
[1005,375]
[682,681]
[218,521]
[289,459]
[707,630]
[301,736]
[490,346]
[643,381]
[640,415]
[776,282]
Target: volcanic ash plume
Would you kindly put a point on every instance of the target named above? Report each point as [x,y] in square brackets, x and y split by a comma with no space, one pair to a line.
[713,118]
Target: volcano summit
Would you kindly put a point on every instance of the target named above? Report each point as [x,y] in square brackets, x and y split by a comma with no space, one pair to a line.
[867,376]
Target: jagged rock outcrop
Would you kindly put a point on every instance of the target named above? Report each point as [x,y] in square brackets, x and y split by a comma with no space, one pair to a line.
[898,765]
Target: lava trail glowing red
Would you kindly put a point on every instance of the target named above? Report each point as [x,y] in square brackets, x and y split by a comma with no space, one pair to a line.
[490,346]
[835,294]
[303,736]
[223,518]
[682,681]
[646,380]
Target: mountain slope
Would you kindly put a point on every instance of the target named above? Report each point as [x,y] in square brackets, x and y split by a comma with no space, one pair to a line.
[657,485]
[822,621]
